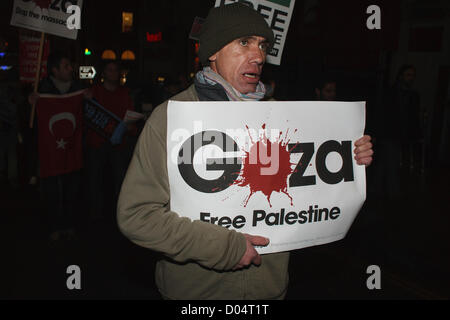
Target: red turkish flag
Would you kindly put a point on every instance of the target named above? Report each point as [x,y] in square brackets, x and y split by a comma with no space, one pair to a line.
[60,121]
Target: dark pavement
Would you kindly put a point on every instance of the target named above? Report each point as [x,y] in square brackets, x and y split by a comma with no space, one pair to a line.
[407,237]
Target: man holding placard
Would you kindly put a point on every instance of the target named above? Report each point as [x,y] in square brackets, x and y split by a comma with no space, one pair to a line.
[205,260]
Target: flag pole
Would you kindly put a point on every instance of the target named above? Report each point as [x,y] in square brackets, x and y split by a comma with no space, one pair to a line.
[36,79]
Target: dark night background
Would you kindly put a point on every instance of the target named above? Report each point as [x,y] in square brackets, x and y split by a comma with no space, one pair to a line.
[406,235]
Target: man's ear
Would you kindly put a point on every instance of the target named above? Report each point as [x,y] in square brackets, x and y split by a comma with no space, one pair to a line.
[212,62]
[213,58]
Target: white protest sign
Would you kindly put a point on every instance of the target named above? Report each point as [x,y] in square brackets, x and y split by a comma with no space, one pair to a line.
[282,170]
[278,14]
[48,16]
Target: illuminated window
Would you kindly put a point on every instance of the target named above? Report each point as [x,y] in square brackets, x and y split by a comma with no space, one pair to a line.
[128,55]
[109,55]
[127,21]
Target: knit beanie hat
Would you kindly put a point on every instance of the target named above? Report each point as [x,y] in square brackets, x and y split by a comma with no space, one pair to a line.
[227,23]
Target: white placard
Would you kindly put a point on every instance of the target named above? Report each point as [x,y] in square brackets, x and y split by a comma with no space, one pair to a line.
[47,16]
[282,170]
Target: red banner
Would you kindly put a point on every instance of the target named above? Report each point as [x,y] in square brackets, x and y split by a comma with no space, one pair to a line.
[28,58]
[60,121]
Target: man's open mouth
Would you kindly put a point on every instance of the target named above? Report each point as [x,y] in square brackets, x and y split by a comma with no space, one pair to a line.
[252,75]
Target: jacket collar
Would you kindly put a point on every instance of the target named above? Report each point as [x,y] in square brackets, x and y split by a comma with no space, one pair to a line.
[209,92]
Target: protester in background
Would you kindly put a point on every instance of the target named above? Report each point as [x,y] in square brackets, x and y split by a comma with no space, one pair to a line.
[203,260]
[393,140]
[102,158]
[61,192]
[404,102]
[325,90]
[8,136]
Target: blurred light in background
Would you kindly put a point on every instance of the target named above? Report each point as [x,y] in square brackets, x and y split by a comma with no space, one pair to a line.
[128,55]
[109,55]
[127,21]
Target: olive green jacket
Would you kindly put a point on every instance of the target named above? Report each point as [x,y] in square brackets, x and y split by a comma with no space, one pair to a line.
[199,256]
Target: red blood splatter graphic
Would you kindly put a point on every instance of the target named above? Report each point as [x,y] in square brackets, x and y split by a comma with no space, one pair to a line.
[266,167]
[43,4]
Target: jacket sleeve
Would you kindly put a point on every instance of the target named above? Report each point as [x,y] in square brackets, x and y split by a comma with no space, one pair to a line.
[145,218]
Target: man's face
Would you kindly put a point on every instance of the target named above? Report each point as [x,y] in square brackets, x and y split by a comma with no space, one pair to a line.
[240,62]
[111,73]
[65,71]
[328,92]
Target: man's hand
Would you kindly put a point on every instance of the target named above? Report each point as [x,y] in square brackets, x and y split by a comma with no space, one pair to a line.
[33,98]
[251,256]
[363,151]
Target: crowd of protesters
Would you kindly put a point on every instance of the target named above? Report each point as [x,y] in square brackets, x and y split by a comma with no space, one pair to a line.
[74,199]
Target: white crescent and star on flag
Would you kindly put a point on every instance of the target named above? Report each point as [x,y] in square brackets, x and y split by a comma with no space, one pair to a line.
[61,143]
